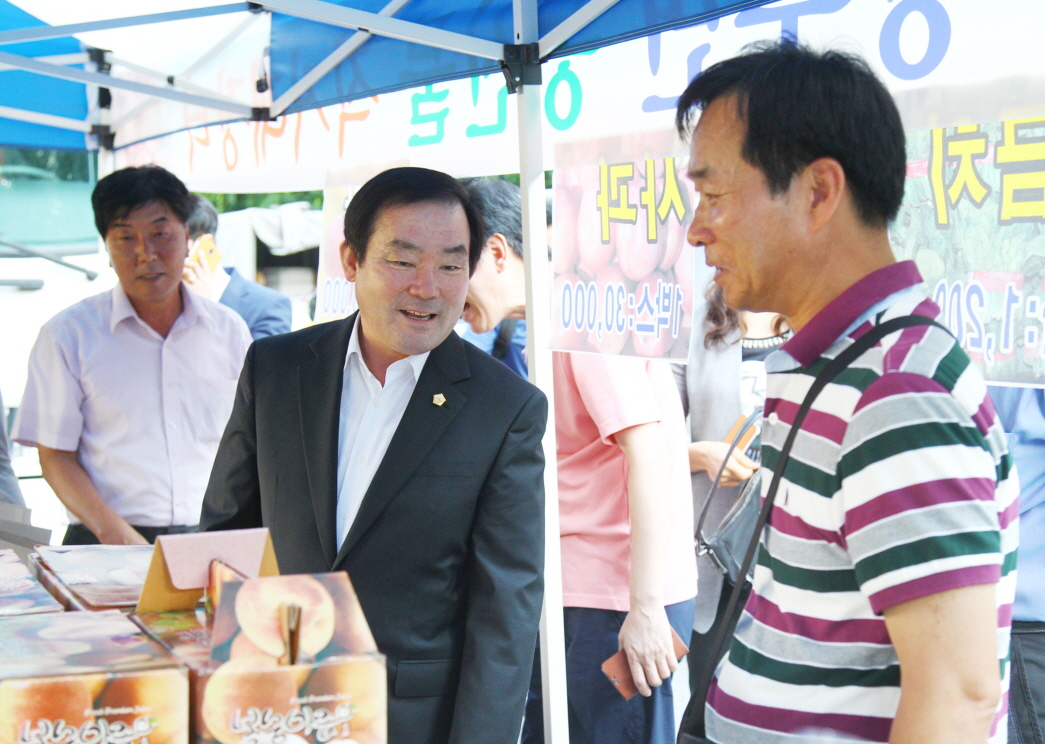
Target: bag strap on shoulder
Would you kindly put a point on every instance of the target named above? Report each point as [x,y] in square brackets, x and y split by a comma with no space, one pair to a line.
[504,338]
[692,728]
[748,423]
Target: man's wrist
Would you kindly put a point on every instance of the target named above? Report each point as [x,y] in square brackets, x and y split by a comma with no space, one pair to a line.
[647,603]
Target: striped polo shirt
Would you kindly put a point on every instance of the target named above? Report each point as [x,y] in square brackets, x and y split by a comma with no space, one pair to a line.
[898,486]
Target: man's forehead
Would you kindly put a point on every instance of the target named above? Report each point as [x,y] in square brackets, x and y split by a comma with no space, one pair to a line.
[402,244]
[718,135]
[426,225]
[150,212]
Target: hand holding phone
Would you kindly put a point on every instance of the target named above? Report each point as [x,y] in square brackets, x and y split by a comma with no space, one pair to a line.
[618,670]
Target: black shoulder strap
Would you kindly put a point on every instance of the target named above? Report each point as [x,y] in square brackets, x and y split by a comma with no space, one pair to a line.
[504,338]
[699,532]
[693,719]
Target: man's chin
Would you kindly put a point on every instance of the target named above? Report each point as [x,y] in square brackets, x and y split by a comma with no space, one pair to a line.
[419,343]
[480,327]
[478,322]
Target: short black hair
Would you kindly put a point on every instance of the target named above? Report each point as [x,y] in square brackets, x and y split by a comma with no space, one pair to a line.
[123,191]
[204,218]
[500,204]
[401,186]
[800,105]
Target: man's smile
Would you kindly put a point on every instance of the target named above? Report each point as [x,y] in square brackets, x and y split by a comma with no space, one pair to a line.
[415,315]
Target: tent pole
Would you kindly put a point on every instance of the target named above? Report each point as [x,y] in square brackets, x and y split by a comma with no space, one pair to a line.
[101,79]
[209,55]
[379,25]
[332,60]
[539,356]
[39,33]
[561,33]
[47,120]
[106,162]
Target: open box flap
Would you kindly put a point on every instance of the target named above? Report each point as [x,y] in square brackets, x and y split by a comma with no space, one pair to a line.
[180,565]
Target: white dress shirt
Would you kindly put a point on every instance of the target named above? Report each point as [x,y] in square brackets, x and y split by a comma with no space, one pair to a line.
[143,413]
[373,411]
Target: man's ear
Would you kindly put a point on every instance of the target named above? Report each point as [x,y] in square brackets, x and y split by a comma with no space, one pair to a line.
[499,249]
[349,261]
[825,182]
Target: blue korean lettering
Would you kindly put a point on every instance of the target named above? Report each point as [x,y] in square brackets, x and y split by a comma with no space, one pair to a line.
[646,308]
[694,63]
[482,130]
[939,38]
[437,117]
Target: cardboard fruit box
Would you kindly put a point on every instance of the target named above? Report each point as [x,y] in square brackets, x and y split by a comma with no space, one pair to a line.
[257,667]
[93,577]
[88,677]
[20,593]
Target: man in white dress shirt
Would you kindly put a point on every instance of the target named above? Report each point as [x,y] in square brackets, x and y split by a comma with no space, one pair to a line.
[129,390]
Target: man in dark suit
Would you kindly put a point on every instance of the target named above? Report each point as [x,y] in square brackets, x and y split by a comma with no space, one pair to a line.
[386,446]
[266,311]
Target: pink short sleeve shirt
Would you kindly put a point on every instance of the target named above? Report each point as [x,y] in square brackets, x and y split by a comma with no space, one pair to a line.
[597,396]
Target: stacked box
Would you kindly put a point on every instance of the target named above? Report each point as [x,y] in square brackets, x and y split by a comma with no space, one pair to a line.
[93,577]
[88,677]
[341,696]
[243,684]
[20,593]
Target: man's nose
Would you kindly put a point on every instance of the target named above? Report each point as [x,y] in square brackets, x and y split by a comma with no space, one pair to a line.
[424,284]
[145,250]
[698,234]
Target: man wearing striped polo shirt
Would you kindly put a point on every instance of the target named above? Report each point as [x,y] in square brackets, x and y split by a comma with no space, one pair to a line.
[883,589]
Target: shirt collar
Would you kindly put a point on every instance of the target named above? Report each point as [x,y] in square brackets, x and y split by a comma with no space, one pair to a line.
[190,309]
[121,308]
[831,323]
[415,362]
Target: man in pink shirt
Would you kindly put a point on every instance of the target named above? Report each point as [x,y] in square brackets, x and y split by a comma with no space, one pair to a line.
[626,513]
[629,574]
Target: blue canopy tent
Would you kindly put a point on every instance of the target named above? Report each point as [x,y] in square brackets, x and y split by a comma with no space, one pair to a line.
[71,80]
[56,86]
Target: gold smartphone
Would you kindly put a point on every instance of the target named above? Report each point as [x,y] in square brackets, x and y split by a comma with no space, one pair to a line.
[205,250]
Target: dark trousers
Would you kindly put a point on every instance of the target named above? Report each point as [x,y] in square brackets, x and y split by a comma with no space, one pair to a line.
[1027,684]
[597,712]
[78,534]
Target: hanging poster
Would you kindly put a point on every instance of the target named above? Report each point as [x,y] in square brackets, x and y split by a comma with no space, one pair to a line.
[623,276]
[972,218]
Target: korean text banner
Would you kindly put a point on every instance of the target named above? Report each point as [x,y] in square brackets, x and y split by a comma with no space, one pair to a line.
[972,218]
[947,63]
[623,279]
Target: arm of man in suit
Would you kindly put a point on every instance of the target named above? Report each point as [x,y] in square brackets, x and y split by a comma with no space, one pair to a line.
[506,586]
[274,318]
[233,497]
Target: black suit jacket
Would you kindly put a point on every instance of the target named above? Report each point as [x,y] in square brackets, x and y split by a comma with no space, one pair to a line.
[446,552]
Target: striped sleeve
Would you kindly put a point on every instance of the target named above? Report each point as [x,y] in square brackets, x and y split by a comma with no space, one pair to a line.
[918,485]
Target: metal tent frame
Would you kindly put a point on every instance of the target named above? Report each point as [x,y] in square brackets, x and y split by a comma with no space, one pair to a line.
[521,64]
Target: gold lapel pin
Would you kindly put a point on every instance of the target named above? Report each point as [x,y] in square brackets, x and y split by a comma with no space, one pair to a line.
[439,399]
